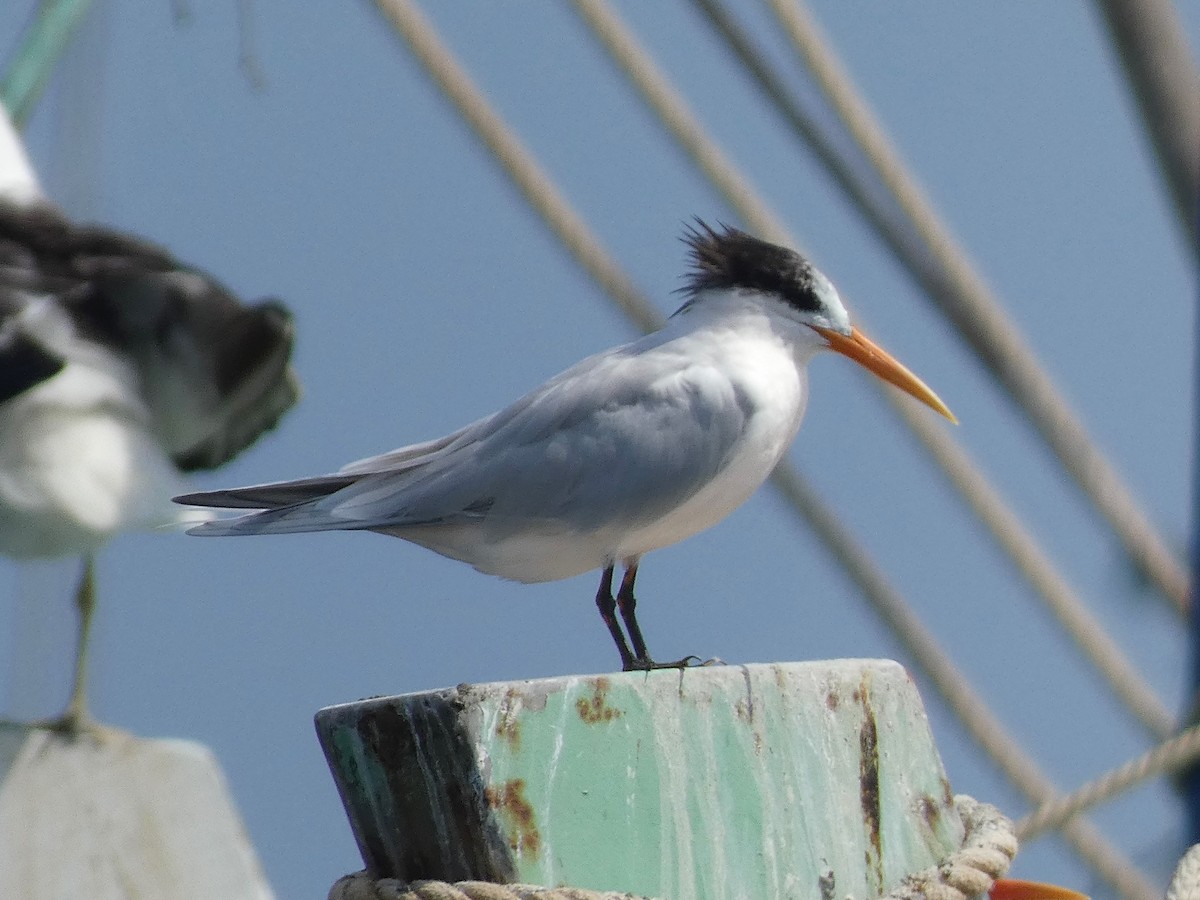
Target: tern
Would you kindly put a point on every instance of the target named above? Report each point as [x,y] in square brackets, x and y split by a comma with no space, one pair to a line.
[628,451]
[121,369]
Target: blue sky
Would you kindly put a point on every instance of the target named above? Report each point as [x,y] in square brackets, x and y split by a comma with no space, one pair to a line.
[427,294]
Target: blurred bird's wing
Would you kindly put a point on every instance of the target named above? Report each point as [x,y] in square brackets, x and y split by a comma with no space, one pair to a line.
[213,372]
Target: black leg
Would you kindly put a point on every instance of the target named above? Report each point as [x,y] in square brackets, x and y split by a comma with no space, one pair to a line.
[628,606]
[627,603]
[608,608]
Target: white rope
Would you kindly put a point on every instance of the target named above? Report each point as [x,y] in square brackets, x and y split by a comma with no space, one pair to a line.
[1169,756]
[988,847]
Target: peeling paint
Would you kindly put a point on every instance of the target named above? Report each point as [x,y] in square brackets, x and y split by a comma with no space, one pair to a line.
[827,884]
[508,724]
[930,811]
[947,793]
[748,707]
[744,711]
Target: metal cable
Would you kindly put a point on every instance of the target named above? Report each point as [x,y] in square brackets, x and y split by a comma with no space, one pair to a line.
[964,298]
[533,183]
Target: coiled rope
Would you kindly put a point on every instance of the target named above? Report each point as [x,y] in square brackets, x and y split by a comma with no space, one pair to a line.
[988,847]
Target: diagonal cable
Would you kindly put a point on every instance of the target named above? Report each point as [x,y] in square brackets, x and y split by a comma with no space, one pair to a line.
[536,187]
[964,298]
[1163,77]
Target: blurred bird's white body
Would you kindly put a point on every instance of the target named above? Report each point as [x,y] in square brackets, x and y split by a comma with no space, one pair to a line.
[79,461]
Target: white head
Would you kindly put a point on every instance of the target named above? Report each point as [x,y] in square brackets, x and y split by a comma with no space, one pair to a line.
[732,260]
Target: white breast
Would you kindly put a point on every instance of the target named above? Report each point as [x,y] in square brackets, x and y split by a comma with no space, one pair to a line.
[777,391]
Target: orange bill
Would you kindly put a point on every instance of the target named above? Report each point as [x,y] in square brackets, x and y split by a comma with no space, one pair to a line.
[858,347]
[1013,889]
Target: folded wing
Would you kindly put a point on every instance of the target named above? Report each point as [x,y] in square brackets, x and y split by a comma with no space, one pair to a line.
[618,438]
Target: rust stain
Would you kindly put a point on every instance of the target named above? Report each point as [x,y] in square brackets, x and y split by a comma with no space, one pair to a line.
[508,728]
[595,709]
[929,810]
[832,699]
[744,711]
[868,783]
[508,800]
[947,793]
[781,680]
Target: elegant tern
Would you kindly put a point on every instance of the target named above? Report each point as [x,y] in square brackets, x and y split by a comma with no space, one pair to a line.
[628,451]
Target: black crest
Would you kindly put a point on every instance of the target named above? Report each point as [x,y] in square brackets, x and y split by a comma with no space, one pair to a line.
[730,258]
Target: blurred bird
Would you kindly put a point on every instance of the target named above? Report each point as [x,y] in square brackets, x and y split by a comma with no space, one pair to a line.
[120,369]
[630,450]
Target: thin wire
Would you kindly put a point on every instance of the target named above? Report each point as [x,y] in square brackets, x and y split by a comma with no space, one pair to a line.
[536,187]
[519,163]
[954,460]
[965,299]
[1170,756]
[963,472]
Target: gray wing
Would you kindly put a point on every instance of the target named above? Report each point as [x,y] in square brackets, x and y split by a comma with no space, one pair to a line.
[618,438]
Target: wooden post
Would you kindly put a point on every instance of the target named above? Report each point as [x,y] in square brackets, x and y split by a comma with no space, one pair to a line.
[788,780]
[106,815]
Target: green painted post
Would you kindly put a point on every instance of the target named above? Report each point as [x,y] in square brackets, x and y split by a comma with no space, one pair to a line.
[787,780]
